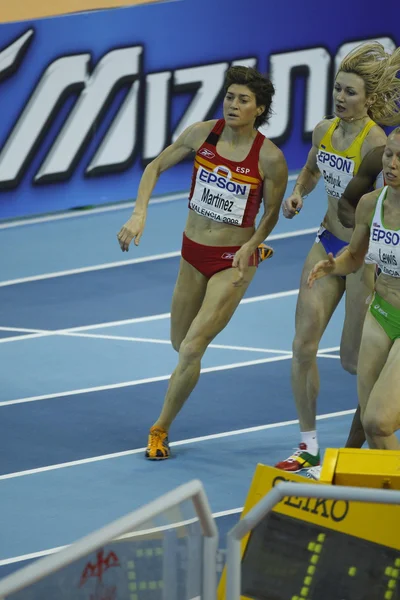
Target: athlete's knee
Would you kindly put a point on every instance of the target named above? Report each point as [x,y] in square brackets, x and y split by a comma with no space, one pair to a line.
[350,367]
[349,360]
[177,335]
[304,350]
[176,342]
[375,425]
[192,349]
[349,364]
[362,393]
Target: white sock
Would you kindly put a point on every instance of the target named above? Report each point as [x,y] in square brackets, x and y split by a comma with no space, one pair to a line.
[310,439]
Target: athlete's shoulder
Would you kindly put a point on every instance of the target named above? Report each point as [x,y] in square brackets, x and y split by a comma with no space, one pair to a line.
[272,158]
[377,151]
[367,205]
[325,123]
[371,163]
[371,197]
[270,151]
[321,129]
[206,125]
[375,137]
[196,134]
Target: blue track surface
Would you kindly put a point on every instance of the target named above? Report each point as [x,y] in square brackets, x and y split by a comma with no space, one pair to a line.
[92,392]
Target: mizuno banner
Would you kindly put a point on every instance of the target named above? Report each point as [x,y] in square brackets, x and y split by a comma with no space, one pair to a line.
[87,100]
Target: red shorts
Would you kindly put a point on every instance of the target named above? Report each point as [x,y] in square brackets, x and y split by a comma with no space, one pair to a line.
[211,259]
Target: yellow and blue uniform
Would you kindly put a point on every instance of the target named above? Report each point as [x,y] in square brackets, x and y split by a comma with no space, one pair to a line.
[337,168]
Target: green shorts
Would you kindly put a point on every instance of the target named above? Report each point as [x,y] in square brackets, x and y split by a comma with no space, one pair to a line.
[387,316]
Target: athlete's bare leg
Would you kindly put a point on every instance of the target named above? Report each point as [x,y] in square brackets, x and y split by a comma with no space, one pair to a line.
[378,386]
[189,292]
[314,309]
[359,287]
[219,304]
[356,437]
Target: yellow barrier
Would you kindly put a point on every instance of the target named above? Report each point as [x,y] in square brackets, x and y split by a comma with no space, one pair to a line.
[360,523]
[362,468]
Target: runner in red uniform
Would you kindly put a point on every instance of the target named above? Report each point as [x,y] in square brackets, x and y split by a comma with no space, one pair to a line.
[235,169]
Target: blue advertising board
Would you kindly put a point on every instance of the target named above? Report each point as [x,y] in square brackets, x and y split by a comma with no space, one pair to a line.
[88,100]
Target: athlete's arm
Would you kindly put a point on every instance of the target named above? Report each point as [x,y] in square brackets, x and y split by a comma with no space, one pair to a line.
[274,171]
[352,257]
[188,142]
[361,184]
[308,176]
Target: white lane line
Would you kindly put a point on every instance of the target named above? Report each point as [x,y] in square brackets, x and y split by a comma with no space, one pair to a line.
[111,265]
[273,296]
[38,333]
[41,553]
[145,340]
[195,440]
[73,214]
[133,261]
[146,319]
[168,342]
[24,329]
[135,382]
[29,336]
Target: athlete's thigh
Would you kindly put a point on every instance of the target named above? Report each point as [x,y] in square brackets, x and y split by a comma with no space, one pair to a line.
[316,305]
[189,292]
[359,288]
[384,401]
[219,304]
[374,351]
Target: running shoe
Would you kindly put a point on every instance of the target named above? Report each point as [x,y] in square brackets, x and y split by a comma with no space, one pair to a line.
[301,459]
[157,445]
[264,252]
[314,473]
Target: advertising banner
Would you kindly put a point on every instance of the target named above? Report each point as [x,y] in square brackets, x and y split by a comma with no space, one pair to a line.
[88,100]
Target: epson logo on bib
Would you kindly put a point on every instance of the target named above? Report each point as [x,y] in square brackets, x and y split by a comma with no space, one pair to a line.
[216,196]
[391,238]
[345,165]
[222,182]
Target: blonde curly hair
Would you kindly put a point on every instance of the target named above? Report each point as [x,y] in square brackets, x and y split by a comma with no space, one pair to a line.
[378,69]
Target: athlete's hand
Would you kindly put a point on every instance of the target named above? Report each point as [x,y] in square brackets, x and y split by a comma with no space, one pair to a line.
[132,230]
[292,206]
[321,269]
[241,263]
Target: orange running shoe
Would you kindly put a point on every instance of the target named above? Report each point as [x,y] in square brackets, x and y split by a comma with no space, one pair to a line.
[157,445]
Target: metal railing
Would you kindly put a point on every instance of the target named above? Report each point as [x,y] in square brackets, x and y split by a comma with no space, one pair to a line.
[130,523]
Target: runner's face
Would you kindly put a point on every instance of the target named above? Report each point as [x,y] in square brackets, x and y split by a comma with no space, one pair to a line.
[391,161]
[349,96]
[240,106]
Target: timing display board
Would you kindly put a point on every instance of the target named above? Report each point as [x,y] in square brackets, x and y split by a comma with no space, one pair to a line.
[316,548]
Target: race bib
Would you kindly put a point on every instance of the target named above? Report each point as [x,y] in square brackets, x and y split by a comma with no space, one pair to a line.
[337,172]
[218,197]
